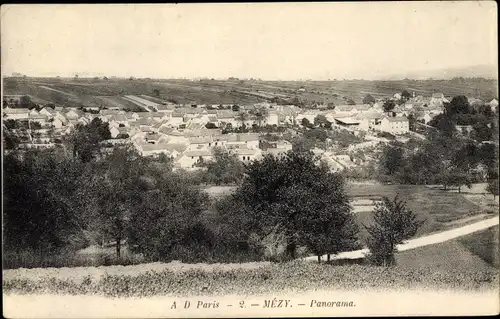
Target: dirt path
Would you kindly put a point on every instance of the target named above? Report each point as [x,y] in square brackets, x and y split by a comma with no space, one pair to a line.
[424,240]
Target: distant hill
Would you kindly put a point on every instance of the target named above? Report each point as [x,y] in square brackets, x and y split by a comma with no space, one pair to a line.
[474,71]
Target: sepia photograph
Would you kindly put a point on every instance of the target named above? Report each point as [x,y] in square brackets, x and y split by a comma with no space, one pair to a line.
[250,159]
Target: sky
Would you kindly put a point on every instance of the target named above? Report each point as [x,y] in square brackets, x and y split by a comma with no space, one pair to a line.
[270,41]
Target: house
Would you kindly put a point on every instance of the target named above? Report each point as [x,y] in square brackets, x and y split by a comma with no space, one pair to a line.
[395,125]
[246,155]
[248,140]
[363,108]
[310,115]
[15,114]
[83,120]
[369,121]
[146,121]
[426,117]
[197,143]
[438,100]
[33,112]
[156,138]
[48,111]
[276,151]
[190,159]
[397,96]
[196,132]
[174,136]
[348,122]
[344,110]
[119,131]
[176,118]
[285,145]
[42,119]
[74,114]
[148,149]
[493,104]
[158,116]
[56,122]
[272,117]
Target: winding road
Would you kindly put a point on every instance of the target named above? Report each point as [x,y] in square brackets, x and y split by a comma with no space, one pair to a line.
[422,241]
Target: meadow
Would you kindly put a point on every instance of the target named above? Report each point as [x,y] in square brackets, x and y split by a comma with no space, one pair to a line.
[296,276]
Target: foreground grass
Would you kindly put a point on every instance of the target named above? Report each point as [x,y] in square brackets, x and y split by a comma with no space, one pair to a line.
[484,244]
[297,276]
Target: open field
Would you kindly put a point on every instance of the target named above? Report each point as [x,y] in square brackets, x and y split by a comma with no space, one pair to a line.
[475,251]
[245,91]
[484,244]
[294,276]
[120,102]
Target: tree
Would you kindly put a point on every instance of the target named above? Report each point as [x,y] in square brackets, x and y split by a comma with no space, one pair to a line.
[412,122]
[156,92]
[317,134]
[305,122]
[242,117]
[11,124]
[391,159]
[85,139]
[351,102]
[302,144]
[368,99]
[303,201]
[405,95]
[320,120]
[225,168]
[459,105]
[482,132]
[392,224]
[261,114]
[166,224]
[388,105]
[444,124]
[26,102]
[123,180]
[44,201]
[492,187]
[210,125]
[235,108]
[458,177]
[11,140]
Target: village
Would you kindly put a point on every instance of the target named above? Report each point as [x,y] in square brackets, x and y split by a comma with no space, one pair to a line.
[189,133]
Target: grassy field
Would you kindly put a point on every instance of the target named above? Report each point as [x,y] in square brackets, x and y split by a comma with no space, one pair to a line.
[448,256]
[484,245]
[294,276]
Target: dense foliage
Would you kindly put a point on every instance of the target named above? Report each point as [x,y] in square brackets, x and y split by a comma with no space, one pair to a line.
[282,196]
[393,223]
[267,279]
[447,156]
